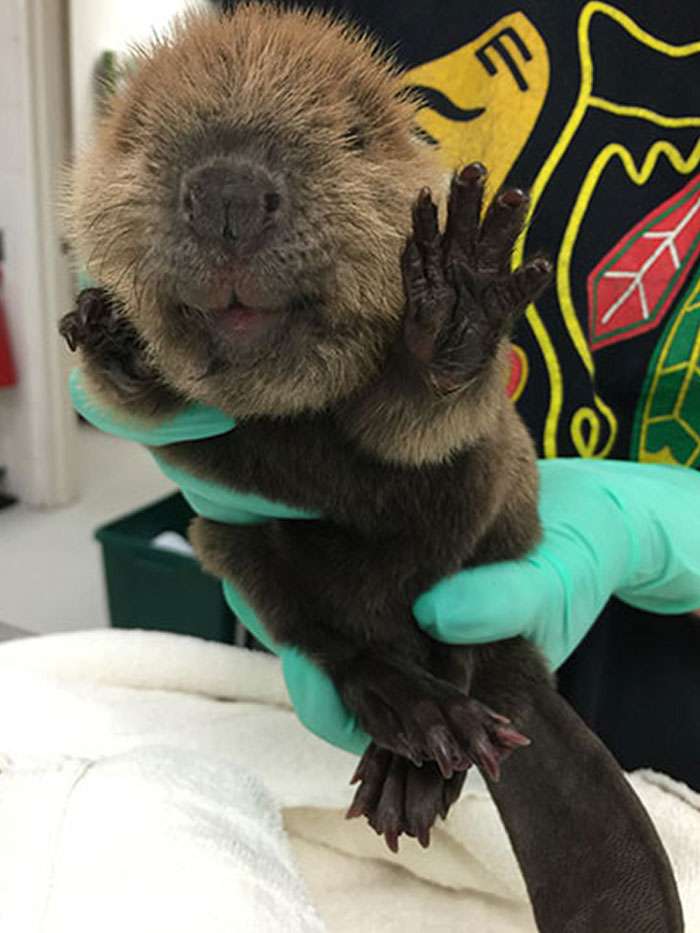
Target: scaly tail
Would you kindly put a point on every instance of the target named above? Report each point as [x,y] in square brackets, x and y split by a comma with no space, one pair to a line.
[590,855]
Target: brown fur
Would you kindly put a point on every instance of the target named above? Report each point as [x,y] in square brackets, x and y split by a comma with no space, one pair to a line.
[335,416]
[208,75]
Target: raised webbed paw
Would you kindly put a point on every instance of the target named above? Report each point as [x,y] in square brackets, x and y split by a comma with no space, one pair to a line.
[461,297]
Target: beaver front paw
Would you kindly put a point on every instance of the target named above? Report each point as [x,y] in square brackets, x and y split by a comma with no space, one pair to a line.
[461,297]
[99,328]
[113,351]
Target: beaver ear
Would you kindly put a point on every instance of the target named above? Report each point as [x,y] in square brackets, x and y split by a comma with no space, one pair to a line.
[589,854]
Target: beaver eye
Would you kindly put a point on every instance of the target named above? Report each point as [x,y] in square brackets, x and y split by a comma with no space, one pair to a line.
[355,138]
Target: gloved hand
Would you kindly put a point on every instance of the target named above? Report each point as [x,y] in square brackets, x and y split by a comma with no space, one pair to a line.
[608,528]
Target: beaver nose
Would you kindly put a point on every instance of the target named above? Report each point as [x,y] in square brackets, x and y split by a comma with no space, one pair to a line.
[231,203]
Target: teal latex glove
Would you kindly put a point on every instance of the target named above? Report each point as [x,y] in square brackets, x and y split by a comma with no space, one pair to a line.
[609,527]
[219,503]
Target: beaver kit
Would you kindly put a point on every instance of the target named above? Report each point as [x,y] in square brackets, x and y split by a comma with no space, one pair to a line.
[272,236]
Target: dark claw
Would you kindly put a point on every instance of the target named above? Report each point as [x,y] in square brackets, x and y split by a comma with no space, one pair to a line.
[464,211]
[539,268]
[513,197]
[474,172]
[494,715]
[359,772]
[443,750]
[451,791]
[69,329]
[423,800]
[392,839]
[409,750]
[542,265]
[499,231]
[486,758]
[371,771]
[356,808]
[510,737]
[537,273]
[388,817]
[365,799]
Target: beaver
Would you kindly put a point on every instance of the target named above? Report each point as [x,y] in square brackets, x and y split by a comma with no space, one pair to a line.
[271,236]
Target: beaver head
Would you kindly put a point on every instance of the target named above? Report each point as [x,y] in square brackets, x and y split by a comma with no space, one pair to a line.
[246,199]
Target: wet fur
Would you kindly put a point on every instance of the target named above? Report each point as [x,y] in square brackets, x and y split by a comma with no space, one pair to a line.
[412,485]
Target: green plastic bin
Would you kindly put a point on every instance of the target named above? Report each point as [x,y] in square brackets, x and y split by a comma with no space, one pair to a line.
[152,588]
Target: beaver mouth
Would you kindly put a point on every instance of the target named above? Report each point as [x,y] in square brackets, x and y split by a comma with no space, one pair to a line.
[228,315]
[238,319]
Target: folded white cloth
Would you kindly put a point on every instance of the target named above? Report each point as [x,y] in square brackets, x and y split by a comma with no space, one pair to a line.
[142,707]
[149,840]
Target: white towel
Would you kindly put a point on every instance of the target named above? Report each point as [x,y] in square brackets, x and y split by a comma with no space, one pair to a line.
[149,840]
[98,694]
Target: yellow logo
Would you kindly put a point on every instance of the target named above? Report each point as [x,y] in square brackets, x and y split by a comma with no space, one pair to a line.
[473,93]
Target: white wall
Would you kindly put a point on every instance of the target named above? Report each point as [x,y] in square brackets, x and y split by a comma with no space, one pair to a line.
[36,425]
[48,50]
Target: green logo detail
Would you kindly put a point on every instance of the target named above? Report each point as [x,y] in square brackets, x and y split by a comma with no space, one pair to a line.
[667,423]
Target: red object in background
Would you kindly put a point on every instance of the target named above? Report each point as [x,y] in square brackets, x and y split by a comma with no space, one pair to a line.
[8,373]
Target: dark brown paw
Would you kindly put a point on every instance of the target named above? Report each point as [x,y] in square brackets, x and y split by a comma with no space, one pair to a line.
[110,343]
[92,322]
[419,717]
[399,798]
[461,298]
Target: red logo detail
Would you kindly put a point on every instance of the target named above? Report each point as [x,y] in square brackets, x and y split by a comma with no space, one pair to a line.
[518,373]
[633,287]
